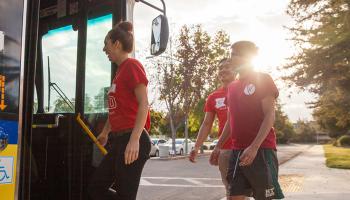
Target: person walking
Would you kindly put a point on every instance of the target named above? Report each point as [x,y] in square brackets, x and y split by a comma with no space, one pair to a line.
[127,124]
[215,107]
[253,166]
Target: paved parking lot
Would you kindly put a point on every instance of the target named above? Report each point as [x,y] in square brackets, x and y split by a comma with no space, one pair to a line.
[182,180]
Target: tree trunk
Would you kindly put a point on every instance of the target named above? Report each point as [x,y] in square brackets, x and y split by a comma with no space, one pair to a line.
[173,132]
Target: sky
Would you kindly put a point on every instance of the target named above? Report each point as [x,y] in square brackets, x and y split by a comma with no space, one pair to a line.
[262,22]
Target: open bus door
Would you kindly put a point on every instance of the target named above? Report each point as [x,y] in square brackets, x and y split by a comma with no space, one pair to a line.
[50,72]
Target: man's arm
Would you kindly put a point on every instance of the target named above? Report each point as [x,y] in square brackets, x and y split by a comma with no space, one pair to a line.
[202,134]
[222,140]
[225,133]
[204,129]
[268,106]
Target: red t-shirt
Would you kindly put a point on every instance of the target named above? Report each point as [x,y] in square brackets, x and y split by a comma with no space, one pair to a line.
[244,100]
[216,104]
[122,102]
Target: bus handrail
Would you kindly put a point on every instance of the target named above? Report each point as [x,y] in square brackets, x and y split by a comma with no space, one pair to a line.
[91,135]
[55,125]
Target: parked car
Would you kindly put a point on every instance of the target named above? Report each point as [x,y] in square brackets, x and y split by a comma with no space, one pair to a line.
[180,145]
[155,146]
[213,144]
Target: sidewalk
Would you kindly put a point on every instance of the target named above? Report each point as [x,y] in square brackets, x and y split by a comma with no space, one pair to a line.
[306,177]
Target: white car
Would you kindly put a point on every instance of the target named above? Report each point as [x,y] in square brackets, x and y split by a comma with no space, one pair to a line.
[180,146]
[155,146]
[213,144]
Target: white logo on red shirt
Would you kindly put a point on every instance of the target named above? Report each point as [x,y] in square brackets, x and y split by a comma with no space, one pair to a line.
[249,89]
[112,102]
[220,102]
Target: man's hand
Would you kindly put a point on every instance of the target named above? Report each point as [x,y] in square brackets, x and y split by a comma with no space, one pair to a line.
[248,156]
[214,157]
[132,151]
[102,138]
[193,155]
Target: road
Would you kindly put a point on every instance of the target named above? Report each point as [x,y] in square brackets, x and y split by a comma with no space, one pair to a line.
[182,180]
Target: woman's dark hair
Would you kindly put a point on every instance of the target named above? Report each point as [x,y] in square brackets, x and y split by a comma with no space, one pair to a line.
[123,33]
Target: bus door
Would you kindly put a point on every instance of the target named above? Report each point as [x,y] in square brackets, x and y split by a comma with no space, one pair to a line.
[10,69]
[70,76]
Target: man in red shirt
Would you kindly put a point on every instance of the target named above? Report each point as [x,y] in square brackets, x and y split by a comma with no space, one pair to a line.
[253,166]
[215,105]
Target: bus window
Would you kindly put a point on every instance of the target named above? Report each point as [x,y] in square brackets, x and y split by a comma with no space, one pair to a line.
[60,56]
[98,67]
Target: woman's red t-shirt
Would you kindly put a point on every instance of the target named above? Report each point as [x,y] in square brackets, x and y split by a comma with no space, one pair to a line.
[122,102]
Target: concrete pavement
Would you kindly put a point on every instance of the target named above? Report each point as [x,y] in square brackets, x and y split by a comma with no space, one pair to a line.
[307,177]
[303,176]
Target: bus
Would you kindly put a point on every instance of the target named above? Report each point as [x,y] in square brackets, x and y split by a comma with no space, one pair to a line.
[51,72]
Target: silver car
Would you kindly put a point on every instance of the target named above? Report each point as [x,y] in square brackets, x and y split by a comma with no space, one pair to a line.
[155,146]
[213,144]
[180,146]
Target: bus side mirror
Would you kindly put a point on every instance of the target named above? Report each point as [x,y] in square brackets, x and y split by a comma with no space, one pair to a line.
[160,35]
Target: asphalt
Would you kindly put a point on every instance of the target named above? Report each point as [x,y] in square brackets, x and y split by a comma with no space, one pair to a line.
[175,178]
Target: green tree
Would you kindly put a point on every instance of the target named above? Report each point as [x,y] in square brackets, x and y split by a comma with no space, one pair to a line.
[283,127]
[329,113]
[305,132]
[198,55]
[322,37]
[88,106]
[100,100]
[186,76]
[62,106]
[158,123]
[167,81]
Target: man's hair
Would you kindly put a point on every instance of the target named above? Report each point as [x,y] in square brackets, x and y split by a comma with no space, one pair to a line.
[222,62]
[245,48]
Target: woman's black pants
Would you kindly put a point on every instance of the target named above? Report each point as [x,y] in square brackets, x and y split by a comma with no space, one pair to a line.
[114,170]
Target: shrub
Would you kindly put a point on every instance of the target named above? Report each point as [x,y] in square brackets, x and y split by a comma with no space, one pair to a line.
[344,140]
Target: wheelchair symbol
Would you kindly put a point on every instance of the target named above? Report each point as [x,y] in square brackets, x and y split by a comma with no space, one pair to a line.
[3,173]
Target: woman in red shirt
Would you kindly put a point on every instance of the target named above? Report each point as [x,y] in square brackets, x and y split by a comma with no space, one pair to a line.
[127,124]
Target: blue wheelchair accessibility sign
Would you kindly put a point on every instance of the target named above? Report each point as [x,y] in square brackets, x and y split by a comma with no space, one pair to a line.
[6,170]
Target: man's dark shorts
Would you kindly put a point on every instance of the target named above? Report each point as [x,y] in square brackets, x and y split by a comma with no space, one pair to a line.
[259,180]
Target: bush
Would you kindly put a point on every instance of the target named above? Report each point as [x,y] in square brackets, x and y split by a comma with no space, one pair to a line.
[344,140]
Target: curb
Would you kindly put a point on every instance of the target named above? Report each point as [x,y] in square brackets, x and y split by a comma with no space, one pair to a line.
[282,161]
[178,157]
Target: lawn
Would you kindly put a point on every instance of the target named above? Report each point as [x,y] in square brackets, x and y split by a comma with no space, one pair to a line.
[337,157]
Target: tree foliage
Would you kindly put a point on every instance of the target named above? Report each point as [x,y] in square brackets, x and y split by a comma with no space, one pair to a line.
[322,37]
[198,55]
[283,127]
[190,73]
[158,123]
[305,132]
[100,100]
[61,105]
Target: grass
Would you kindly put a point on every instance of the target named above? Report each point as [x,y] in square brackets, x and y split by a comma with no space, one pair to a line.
[337,157]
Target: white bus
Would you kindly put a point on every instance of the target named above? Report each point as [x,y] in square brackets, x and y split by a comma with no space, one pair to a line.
[51,71]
